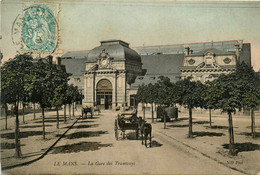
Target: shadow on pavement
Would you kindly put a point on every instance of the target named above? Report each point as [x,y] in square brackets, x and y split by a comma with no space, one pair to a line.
[173,120]
[77,147]
[49,121]
[34,126]
[257,134]
[23,134]
[156,144]
[6,145]
[85,121]
[83,134]
[177,126]
[92,117]
[257,127]
[244,147]
[210,134]
[217,127]
[201,122]
[132,136]
[83,126]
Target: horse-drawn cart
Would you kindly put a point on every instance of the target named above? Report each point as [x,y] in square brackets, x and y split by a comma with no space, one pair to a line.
[126,121]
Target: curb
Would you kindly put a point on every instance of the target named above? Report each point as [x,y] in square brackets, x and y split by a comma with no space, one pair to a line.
[204,154]
[45,153]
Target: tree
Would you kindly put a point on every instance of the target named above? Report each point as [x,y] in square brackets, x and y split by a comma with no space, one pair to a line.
[190,97]
[5,98]
[210,97]
[229,99]
[251,98]
[58,98]
[13,74]
[77,96]
[141,97]
[43,85]
[70,92]
[163,98]
[151,96]
[249,86]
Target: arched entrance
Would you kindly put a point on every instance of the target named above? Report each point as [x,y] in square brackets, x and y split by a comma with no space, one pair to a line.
[104,94]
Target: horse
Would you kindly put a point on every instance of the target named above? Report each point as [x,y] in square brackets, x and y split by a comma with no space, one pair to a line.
[85,111]
[145,129]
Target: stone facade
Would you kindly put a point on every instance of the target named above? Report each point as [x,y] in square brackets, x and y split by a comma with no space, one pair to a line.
[109,75]
[208,64]
[109,71]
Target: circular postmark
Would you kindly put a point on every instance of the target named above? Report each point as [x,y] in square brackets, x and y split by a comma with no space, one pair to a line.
[35,30]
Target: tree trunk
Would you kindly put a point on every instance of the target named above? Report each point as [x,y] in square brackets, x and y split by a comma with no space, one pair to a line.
[73,106]
[34,111]
[70,111]
[57,110]
[143,111]
[164,118]
[190,122]
[6,109]
[23,113]
[252,113]
[43,124]
[210,118]
[231,134]
[64,113]
[18,152]
[152,113]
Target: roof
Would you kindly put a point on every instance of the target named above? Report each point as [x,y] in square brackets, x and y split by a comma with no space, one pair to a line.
[213,50]
[160,65]
[76,54]
[179,48]
[116,49]
[74,66]
[108,42]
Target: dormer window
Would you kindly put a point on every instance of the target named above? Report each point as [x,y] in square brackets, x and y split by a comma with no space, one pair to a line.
[209,61]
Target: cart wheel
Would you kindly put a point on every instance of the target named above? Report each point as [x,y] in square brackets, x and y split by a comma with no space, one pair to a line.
[116,130]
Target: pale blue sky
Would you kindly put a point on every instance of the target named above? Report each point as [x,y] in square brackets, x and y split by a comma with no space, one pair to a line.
[84,23]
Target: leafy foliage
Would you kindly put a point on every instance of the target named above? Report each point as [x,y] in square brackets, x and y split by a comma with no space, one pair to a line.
[190,93]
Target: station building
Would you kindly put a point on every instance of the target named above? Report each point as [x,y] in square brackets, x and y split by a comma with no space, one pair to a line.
[109,74]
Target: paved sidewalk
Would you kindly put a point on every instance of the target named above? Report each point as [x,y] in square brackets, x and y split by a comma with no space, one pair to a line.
[31,139]
[213,142]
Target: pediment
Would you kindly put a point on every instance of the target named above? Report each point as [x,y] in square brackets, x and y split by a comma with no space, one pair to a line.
[203,65]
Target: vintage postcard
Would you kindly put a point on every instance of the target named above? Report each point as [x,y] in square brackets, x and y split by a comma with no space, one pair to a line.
[130,87]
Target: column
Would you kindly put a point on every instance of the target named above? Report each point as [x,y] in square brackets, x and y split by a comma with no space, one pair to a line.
[114,98]
[94,89]
[85,89]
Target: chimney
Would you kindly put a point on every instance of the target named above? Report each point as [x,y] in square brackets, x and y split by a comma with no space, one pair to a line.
[50,58]
[187,50]
[237,50]
[59,60]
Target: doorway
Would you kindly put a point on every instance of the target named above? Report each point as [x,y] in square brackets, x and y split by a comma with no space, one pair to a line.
[104,94]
